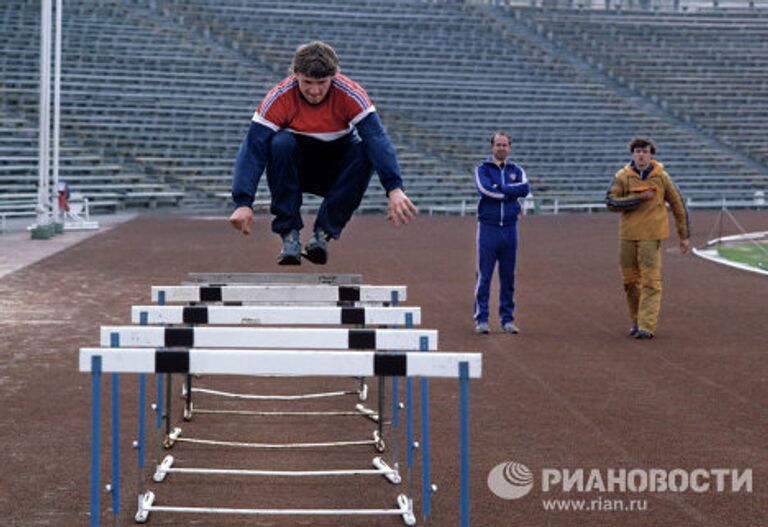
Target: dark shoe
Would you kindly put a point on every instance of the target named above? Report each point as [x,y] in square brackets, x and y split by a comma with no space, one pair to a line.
[291,253]
[643,335]
[482,328]
[316,250]
[509,327]
[633,330]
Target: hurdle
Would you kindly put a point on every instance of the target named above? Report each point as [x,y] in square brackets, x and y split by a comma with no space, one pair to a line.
[279,293]
[280,337]
[276,315]
[293,363]
[268,337]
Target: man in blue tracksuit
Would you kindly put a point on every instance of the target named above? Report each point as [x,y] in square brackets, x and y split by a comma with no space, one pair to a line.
[499,183]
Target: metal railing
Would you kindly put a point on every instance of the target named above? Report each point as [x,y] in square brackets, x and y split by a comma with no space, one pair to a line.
[680,6]
[531,205]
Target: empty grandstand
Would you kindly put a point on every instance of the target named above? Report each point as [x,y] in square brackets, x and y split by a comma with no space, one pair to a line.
[157,94]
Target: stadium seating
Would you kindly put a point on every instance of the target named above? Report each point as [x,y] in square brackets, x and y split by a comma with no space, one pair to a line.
[709,65]
[157,95]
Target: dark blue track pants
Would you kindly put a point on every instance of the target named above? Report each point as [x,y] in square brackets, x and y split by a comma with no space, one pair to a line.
[339,171]
[496,244]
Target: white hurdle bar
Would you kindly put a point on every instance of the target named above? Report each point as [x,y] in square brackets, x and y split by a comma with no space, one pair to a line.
[274,315]
[258,337]
[276,363]
[281,293]
[279,362]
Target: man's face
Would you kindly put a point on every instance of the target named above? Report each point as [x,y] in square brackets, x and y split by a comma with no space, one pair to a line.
[642,157]
[313,89]
[500,147]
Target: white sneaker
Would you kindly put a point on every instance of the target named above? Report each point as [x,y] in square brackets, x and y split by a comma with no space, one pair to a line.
[510,327]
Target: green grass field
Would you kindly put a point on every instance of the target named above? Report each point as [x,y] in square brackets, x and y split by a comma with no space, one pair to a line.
[748,253]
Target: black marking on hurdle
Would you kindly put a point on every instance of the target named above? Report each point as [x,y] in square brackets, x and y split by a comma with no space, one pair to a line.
[179,337]
[352,315]
[210,294]
[171,361]
[362,339]
[349,293]
[390,364]
[195,315]
[233,303]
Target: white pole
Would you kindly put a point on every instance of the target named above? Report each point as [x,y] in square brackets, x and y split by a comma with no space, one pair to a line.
[44,117]
[56,114]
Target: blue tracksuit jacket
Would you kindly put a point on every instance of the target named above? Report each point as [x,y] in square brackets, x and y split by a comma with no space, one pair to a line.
[497,212]
[368,145]
[499,189]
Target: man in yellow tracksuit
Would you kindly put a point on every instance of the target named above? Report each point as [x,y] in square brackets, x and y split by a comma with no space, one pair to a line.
[639,191]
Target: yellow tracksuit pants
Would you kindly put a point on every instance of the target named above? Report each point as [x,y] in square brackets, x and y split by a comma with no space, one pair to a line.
[640,262]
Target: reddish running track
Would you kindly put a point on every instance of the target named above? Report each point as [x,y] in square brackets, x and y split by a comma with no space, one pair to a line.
[572,391]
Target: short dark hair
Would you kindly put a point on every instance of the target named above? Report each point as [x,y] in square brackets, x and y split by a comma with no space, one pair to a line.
[501,132]
[642,142]
[315,59]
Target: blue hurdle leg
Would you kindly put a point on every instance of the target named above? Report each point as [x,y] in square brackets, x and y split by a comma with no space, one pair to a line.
[159,416]
[464,441]
[159,400]
[95,438]
[409,433]
[115,488]
[381,404]
[395,422]
[114,341]
[143,321]
[426,484]
[396,382]
[142,418]
[395,405]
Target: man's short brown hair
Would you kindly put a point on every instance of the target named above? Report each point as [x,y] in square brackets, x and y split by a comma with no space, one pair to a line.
[501,132]
[642,142]
[315,59]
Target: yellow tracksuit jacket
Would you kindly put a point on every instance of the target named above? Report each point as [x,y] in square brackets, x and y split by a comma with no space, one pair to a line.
[647,220]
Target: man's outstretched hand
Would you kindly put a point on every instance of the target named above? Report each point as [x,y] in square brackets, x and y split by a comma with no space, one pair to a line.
[242,219]
[401,209]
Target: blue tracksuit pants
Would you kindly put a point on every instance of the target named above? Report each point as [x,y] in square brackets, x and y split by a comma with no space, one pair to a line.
[496,244]
[339,171]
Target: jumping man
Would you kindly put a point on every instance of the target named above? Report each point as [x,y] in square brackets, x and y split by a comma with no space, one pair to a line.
[317,131]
